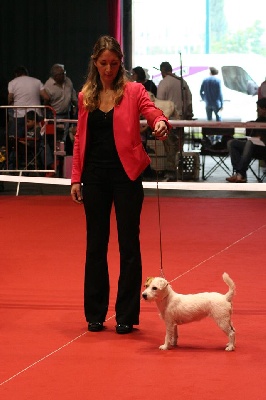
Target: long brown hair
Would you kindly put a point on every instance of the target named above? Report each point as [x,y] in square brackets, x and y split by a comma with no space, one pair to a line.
[93,85]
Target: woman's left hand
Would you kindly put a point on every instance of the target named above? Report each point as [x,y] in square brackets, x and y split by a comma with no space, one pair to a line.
[160,130]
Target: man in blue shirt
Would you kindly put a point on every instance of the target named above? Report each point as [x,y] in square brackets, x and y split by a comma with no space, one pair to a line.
[211,94]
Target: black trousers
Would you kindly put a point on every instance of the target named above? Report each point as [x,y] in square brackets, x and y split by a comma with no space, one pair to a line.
[103,188]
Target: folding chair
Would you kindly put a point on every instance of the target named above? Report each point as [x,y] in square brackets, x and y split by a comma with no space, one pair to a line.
[258,175]
[217,152]
[259,155]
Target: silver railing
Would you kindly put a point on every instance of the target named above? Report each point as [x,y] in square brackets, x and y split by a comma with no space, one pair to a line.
[31,150]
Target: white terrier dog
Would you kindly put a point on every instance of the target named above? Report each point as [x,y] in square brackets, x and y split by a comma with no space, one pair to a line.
[177,309]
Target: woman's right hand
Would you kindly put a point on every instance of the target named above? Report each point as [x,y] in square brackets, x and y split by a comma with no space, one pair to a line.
[76,193]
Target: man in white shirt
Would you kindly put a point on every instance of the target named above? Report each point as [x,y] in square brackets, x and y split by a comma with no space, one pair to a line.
[24,92]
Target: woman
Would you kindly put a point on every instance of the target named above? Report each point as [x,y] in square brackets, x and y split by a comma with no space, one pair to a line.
[108,160]
[138,75]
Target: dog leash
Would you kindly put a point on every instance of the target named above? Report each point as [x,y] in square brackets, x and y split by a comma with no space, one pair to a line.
[159,212]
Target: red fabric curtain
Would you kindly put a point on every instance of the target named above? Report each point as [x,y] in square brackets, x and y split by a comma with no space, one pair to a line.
[115,26]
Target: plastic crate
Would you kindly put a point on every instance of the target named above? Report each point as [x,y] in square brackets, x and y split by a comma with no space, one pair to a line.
[188,166]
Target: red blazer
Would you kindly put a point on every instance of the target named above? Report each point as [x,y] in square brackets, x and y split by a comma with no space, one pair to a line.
[126,127]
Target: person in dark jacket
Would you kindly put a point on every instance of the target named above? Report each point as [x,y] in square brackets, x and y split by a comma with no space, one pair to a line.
[139,75]
[242,151]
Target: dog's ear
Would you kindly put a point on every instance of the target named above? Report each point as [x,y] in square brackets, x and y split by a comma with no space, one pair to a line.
[148,281]
[162,283]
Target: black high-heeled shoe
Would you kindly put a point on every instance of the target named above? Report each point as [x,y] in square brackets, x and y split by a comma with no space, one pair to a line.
[123,328]
[95,326]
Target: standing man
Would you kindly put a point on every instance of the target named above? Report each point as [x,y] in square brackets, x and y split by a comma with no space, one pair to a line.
[62,95]
[63,99]
[60,90]
[211,94]
[176,89]
[24,91]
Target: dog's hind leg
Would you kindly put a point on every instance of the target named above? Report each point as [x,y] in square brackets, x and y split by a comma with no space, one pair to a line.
[229,330]
[232,340]
[173,340]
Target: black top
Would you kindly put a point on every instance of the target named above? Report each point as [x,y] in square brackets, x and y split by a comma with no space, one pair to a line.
[101,150]
[258,132]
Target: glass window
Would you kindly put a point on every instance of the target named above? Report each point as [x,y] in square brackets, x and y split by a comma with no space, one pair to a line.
[194,35]
[164,29]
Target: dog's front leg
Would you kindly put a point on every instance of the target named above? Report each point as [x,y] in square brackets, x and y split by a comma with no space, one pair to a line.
[170,337]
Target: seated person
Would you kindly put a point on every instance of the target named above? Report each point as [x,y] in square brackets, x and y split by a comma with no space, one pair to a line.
[33,125]
[242,151]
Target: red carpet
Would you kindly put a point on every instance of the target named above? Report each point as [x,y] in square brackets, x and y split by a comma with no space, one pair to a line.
[46,352]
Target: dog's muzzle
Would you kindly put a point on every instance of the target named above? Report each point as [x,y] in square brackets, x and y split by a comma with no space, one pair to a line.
[145,296]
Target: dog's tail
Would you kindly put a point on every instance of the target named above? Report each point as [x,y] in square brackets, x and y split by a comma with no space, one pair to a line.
[229,295]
